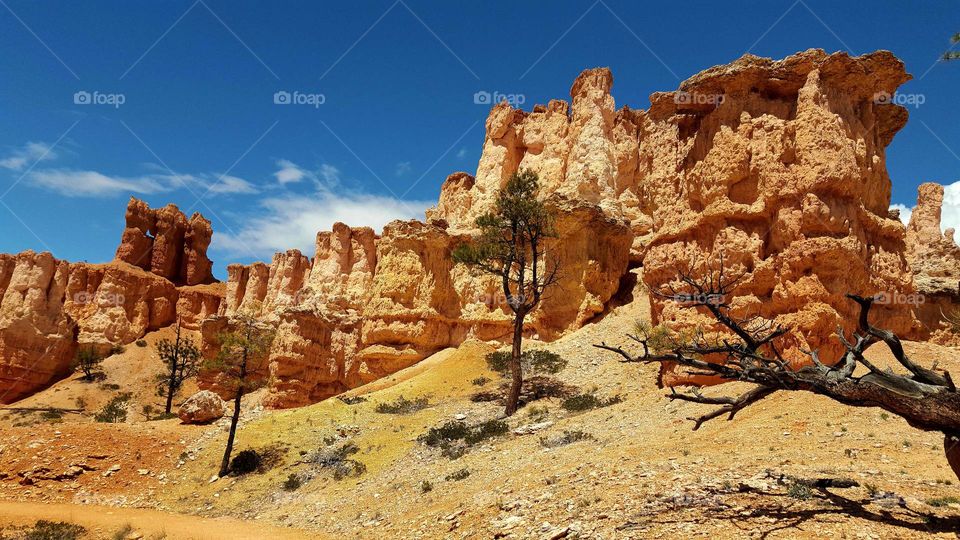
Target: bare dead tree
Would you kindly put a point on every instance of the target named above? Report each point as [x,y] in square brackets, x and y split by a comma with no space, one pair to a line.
[746,350]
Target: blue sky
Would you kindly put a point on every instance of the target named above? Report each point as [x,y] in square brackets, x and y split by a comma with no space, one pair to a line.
[198,125]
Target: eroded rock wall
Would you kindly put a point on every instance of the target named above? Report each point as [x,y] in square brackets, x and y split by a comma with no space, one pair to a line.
[777,165]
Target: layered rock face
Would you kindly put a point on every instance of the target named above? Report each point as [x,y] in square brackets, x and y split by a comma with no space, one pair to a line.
[164,242]
[367,306]
[49,308]
[777,165]
[935,260]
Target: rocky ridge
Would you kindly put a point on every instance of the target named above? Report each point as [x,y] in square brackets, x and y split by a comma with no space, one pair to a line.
[49,307]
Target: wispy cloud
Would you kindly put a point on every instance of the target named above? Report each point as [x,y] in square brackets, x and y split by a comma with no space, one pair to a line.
[403,168]
[462,153]
[87,183]
[29,153]
[293,220]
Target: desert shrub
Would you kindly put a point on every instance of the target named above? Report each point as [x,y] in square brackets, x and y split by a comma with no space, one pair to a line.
[292,483]
[940,502]
[141,343]
[88,361]
[352,400]
[115,411]
[568,437]
[586,402]
[52,416]
[799,490]
[246,461]
[250,460]
[462,474]
[480,381]
[533,361]
[454,437]
[54,530]
[426,486]
[403,405]
[337,460]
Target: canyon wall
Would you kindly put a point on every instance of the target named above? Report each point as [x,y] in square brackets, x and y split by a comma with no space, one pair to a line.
[49,308]
[778,166]
[367,305]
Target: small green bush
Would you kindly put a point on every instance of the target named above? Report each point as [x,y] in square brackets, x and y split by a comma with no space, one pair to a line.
[462,474]
[426,486]
[352,400]
[454,437]
[336,459]
[403,405]
[799,491]
[54,530]
[535,361]
[940,502]
[568,437]
[88,361]
[141,343]
[586,402]
[480,381]
[115,411]
[292,483]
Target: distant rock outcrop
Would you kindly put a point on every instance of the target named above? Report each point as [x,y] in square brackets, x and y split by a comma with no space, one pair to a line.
[164,242]
[935,260]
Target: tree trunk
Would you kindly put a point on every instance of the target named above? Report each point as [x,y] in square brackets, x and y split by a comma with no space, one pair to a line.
[516,368]
[951,447]
[170,391]
[225,464]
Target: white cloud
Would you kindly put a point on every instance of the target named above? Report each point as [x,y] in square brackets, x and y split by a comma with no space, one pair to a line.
[76,183]
[30,153]
[403,168]
[84,183]
[949,213]
[462,153]
[330,175]
[289,172]
[293,221]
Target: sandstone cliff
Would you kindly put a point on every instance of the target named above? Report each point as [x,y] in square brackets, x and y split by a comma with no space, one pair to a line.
[777,165]
[367,305]
[49,308]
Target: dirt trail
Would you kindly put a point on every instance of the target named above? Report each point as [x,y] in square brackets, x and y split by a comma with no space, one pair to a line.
[107,520]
